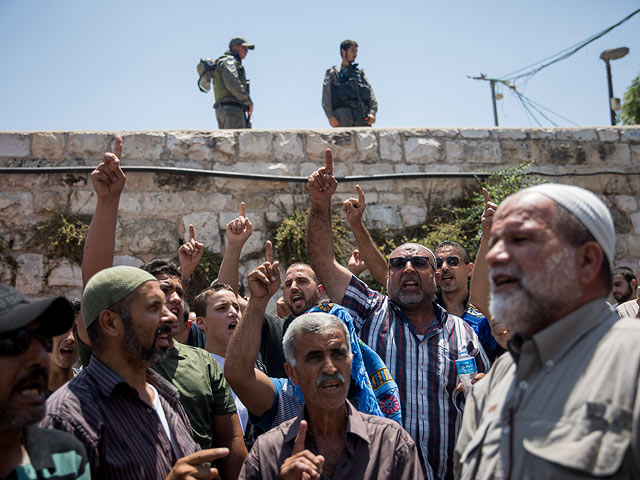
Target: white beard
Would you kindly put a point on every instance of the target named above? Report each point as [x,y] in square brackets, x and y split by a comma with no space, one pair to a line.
[540,294]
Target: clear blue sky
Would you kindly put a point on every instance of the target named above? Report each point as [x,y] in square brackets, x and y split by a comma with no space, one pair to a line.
[130,65]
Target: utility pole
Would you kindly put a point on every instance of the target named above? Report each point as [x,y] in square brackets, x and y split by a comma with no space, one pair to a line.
[606,57]
[492,84]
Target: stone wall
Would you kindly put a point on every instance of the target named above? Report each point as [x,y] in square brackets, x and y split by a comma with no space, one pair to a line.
[156,207]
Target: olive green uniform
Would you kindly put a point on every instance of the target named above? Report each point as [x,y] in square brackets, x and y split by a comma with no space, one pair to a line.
[231,89]
[348,96]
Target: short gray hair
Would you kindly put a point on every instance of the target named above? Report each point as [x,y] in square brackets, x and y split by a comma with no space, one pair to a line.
[319,323]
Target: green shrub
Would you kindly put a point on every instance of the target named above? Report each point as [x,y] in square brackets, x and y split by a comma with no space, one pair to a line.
[63,236]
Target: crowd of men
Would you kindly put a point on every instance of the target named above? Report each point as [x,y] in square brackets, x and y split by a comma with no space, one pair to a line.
[353,383]
[347,96]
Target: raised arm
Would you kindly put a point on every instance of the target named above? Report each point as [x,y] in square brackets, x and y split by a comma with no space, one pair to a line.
[334,277]
[369,251]
[479,290]
[238,232]
[190,254]
[251,385]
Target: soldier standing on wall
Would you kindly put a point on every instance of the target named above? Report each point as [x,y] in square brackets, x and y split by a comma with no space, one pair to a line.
[233,103]
[347,96]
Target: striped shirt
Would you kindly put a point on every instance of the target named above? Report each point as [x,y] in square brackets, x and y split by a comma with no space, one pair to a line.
[122,435]
[422,366]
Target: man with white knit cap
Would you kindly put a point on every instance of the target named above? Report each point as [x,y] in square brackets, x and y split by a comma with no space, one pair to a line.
[564,402]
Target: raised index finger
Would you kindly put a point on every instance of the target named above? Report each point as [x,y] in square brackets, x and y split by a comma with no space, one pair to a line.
[117,148]
[360,195]
[298,443]
[208,455]
[485,194]
[242,209]
[268,251]
[328,162]
[192,233]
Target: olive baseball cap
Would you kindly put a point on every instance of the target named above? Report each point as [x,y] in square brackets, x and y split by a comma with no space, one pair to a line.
[55,313]
[108,287]
[241,41]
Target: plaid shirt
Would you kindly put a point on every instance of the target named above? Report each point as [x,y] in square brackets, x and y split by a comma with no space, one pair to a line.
[424,369]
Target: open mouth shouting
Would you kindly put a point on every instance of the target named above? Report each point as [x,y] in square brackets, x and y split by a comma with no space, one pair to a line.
[232,326]
[31,389]
[503,282]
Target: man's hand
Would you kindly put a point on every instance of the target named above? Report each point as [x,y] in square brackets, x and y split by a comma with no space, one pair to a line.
[354,208]
[321,183]
[500,332]
[190,254]
[356,265]
[239,230]
[372,119]
[334,122]
[108,179]
[191,466]
[264,281]
[302,464]
[487,215]
[461,387]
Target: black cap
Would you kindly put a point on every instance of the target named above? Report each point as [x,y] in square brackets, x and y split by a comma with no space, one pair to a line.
[241,41]
[55,313]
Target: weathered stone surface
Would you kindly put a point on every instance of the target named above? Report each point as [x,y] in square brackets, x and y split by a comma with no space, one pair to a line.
[255,146]
[443,132]
[14,145]
[127,260]
[48,146]
[66,274]
[630,134]
[16,204]
[383,216]
[6,271]
[287,146]
[30,273]
[150,237]
[542,133]
[152,204]
[404,168]
[511,134]
[368,169]
[422,150]
[413,215]
[89,147]
[515,152]
[476,133]
[207,228]
[341,141]
[84,201]
[145,147]
[577,134]
[367,146]
[635,219]
[608,134]
[390,147]
[611,154]
[473,152]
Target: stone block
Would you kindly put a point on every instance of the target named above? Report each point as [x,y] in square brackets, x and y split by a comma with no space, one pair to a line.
[127,260]
[14,145]
[635,154]
[608,134]
[89,148]
[16,204]
[511,134]
[473,152]
[610,154]
[390,147]
[635,220]
[369,169]
[366,146]
[413,215]
[287,146]
[475,133]
[422,150]
[562,153]
[516,152]
[577,134]
[542,133]
[405,168]
[149,237]
[383,216]
[6,271]
[265,166]
[633,246]
[443,132]
[224,146]
[255,145]
[627,203]
[65,274]
[84,201]
[29,277]
[207,228]
[142,147]
[49,199]
[48,146]
[630,134]
[341,142]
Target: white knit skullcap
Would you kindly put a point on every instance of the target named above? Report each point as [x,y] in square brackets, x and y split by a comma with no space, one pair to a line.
[586,207]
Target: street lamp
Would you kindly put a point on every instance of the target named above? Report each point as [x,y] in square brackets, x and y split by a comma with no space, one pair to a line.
[606,56]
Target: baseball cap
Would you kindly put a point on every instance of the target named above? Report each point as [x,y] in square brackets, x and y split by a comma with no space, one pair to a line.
[55,313]
[241,41]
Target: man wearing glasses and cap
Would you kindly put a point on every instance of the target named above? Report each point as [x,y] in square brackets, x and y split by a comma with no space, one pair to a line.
[26,336]
[417,339]
[231,87]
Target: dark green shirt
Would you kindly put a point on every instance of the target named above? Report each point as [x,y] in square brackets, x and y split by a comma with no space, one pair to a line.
[204,392]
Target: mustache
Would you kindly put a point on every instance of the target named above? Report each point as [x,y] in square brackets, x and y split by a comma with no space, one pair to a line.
[163,329]
[36,375]
[323,377]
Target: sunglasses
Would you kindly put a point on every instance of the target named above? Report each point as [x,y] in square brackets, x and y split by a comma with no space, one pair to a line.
[419,263]
[18,341]
[451,260]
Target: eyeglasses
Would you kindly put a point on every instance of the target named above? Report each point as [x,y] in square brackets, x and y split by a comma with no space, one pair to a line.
[18,341]
[451,260]
[419,263]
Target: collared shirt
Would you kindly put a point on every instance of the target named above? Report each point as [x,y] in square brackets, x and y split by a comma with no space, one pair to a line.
[122,435]
[424,369]
[563,404]
[53,455]
[204,392]
[375,448]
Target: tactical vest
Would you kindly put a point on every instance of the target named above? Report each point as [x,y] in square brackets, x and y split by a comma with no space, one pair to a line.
[219,88]
[349,90]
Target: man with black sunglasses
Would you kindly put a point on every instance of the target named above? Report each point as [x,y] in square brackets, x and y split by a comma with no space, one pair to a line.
[417,339]
[26,338]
